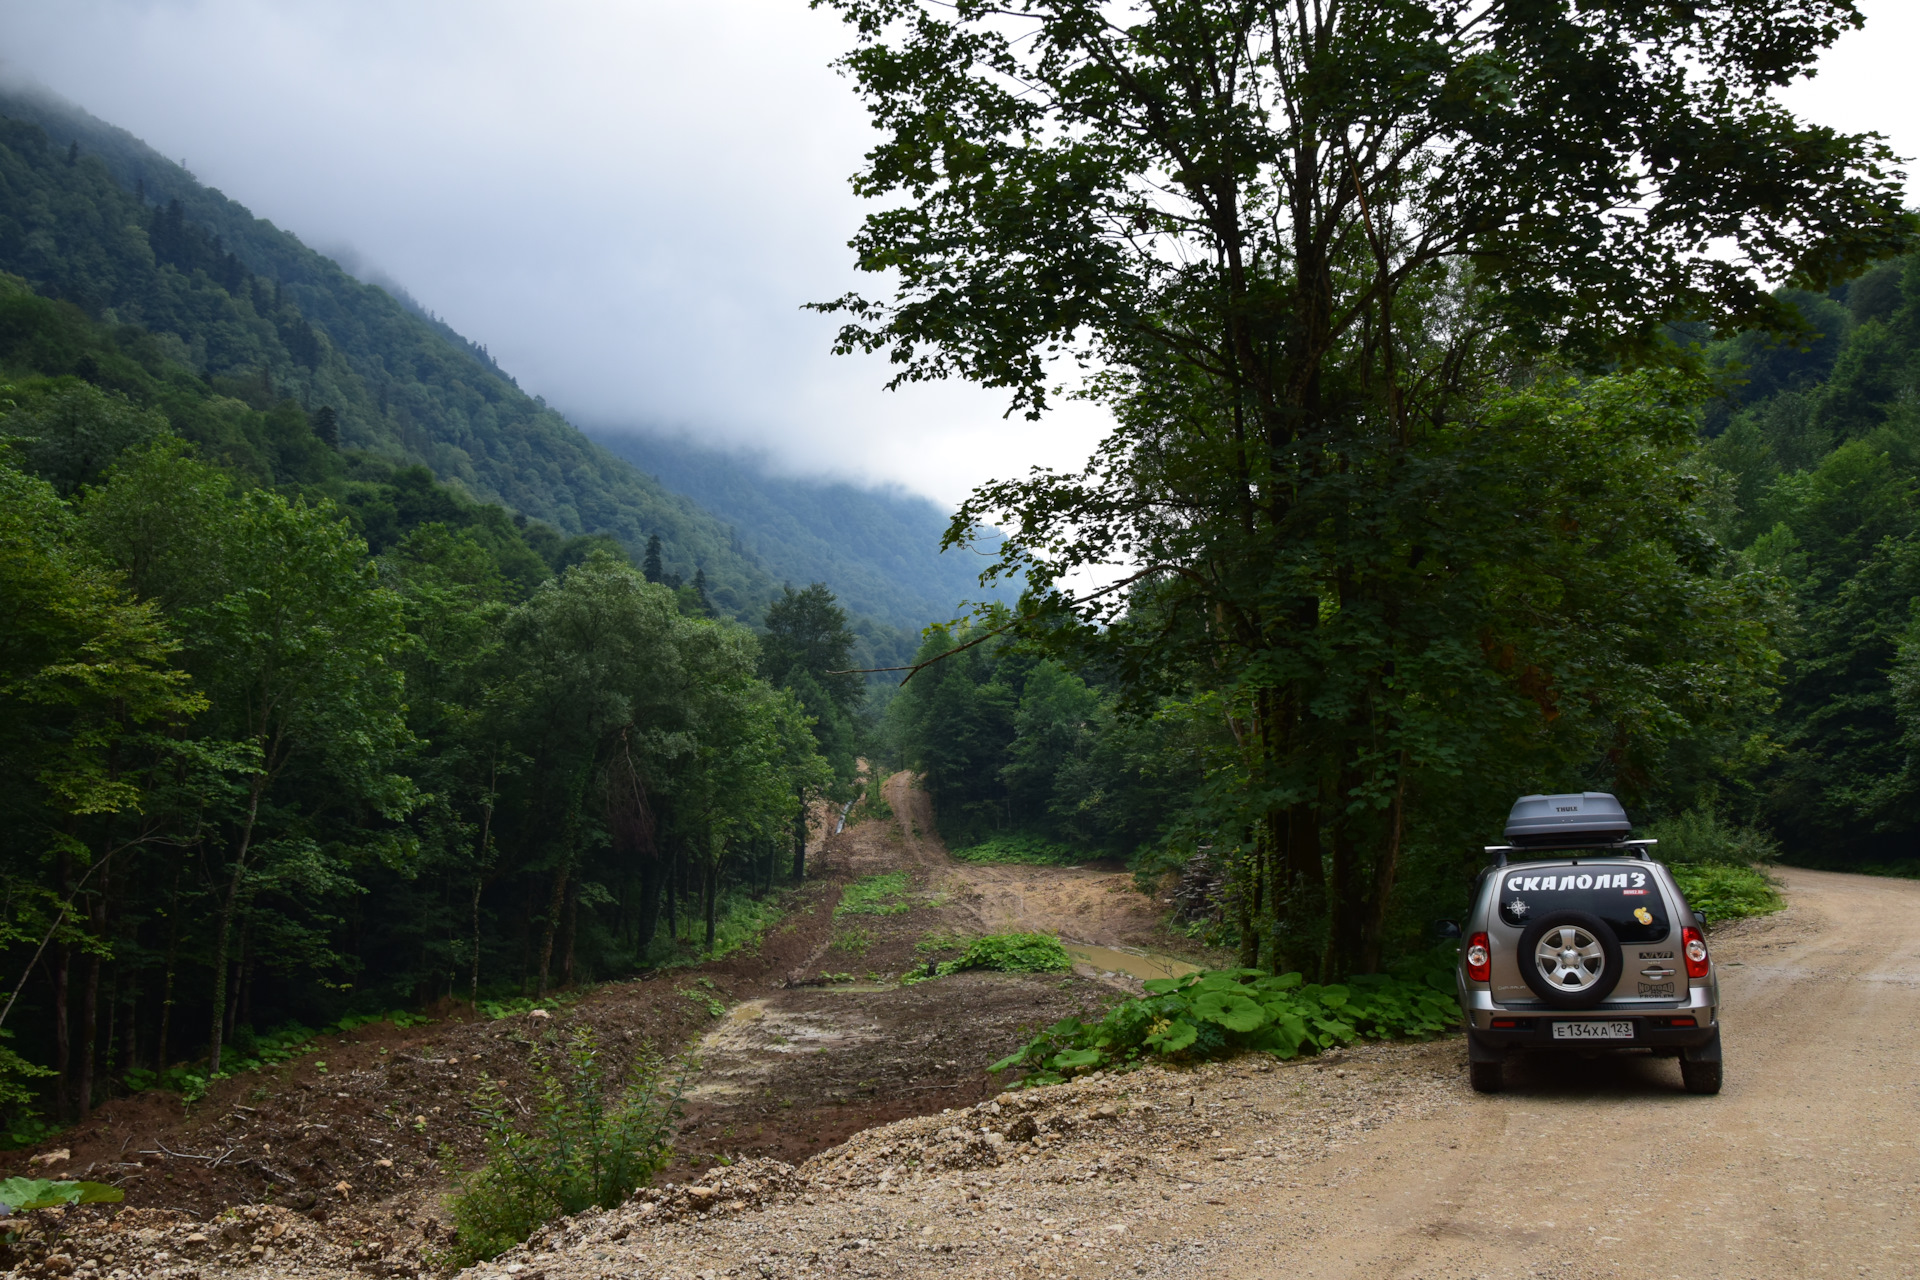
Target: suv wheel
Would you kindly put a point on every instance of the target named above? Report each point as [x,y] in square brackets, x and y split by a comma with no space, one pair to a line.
[1700,1077]
[1488,1077]
[1571,959]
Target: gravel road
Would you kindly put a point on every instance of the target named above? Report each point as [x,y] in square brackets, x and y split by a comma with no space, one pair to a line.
[1806,1165]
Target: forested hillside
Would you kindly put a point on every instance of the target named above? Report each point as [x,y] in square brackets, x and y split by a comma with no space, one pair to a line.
[879,549]
[287,729]
[93,216]
[1815,455]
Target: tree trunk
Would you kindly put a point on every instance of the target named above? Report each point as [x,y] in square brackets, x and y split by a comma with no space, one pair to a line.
[555,902]
[573,922]
[166,990]
[800,836]
[673,903]
[713,891]
[473,983]
[1385,869]
[62,1049]
[89,1034]
[653,886]
[227,910]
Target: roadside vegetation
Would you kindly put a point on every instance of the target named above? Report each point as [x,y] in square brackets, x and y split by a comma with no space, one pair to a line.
[595,1134]
[1221,1013]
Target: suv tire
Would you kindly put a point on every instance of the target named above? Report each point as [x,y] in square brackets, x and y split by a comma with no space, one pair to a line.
[1489,1077]
[1588,940]
[1700,1077]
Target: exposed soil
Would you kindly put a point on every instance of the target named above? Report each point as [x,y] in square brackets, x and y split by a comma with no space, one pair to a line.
[818,1043]
[1379,1163]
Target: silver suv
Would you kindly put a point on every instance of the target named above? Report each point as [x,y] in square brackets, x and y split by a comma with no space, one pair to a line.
[1580,942]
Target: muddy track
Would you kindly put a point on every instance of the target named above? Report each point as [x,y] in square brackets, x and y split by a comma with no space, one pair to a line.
[1095,904]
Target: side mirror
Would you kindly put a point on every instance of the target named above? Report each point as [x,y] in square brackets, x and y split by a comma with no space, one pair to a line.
[1446,929]
[1700,919]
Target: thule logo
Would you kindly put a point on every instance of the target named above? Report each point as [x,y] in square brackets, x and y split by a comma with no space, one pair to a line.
[1566,808]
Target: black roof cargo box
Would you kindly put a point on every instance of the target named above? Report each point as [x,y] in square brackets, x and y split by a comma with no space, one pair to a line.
[1583,816]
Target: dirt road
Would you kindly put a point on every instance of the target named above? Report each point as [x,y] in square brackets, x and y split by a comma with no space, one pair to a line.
[1806,1165]
[1380,1164]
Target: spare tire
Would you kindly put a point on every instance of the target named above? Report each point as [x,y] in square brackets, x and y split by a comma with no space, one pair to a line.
[1571,959]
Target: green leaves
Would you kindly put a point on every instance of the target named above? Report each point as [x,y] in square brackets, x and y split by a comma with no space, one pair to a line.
[1004,953]
[1223,1012]
[18,1194]
[1233,1011]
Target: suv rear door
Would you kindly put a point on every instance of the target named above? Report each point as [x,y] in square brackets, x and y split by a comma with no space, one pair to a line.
[1625,893]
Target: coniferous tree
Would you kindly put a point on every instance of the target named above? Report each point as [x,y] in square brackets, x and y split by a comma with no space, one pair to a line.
[651,565]
[326,426]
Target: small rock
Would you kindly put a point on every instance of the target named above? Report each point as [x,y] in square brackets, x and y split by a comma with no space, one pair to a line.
[58,1264]
[196,1237]
[539,1013]
[61,1156]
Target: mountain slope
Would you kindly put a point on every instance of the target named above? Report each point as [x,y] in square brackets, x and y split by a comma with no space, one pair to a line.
[90,214]
[879,549]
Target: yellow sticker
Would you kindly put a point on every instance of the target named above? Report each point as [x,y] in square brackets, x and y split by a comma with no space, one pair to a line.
[1643,915]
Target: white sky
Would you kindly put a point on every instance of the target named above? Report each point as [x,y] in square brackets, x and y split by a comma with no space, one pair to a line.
[626,200]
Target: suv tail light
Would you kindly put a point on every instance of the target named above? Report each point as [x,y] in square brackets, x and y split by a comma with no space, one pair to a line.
[1479,959]
[1698,963]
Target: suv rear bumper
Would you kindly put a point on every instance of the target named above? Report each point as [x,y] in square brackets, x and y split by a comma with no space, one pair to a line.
[1650,1031]
[1532,1024]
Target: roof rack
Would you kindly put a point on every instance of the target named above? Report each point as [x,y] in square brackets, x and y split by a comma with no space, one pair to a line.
[1638,848]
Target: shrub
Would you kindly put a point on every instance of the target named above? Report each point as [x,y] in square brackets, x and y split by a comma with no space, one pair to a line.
[1025,850]
[1727,893]
[873,803]
[596,1135]
[1227,1011]
[1701,837]
[1005,953]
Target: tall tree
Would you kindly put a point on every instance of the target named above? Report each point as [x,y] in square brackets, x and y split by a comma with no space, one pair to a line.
[807,631]
[1294,245]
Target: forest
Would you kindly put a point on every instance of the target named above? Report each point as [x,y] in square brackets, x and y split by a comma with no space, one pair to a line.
[289,731]
[1798,477]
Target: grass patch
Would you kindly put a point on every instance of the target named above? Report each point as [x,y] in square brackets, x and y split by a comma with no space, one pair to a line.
[882,895]
[1002,953]
[1726,893]
[1025,850]
[855,940]
[1217,1014]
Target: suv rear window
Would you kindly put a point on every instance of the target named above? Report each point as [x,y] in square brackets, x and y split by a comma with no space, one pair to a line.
[1625,897]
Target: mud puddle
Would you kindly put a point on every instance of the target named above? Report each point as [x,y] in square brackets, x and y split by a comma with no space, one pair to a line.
[1131,961]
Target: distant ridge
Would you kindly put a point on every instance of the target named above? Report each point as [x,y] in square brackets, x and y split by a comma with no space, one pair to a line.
[879,548]
[246,299]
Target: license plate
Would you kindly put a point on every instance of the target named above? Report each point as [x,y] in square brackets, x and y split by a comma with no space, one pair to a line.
[1593,1031]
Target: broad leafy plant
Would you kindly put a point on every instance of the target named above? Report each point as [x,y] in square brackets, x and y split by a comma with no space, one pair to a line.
[1222,1012]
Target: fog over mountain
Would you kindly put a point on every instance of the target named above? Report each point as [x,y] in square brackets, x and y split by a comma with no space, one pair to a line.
[627,204]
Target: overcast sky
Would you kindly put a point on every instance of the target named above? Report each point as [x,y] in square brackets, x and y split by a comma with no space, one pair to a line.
[626,200]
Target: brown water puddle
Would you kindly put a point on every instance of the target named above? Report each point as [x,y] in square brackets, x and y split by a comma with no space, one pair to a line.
[1127,960]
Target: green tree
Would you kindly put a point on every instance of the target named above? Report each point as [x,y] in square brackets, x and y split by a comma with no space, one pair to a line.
[1294,245]
[294,647]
